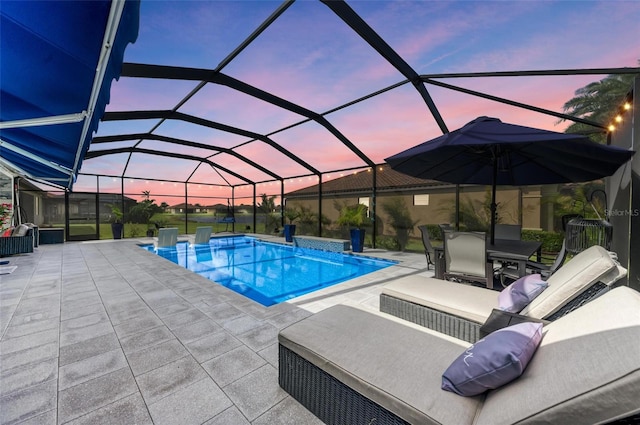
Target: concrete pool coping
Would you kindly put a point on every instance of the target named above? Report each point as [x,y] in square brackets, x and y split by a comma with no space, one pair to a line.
[186,255]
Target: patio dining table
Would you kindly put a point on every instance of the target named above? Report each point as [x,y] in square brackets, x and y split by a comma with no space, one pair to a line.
[514,251]
[504,250]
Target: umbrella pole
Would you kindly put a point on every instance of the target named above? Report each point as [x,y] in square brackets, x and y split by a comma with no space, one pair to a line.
[494,206]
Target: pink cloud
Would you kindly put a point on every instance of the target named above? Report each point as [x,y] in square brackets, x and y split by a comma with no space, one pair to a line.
[310,57]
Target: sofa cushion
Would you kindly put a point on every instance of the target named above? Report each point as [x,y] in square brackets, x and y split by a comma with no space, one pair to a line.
[390,361]
[20,230]
[520,293]
[469,302]
[586,370]
[570,280]
[613,275]
[493,361]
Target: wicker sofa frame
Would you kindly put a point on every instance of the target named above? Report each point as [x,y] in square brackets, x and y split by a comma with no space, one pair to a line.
[11,245]
[463,328]
[326,397]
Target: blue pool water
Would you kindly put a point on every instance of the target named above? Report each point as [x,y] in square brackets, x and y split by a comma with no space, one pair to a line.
[268,273]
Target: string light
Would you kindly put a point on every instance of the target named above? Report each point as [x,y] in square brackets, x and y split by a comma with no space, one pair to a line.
[619,117]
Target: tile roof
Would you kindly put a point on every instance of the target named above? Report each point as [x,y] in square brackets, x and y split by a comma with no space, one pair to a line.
[360,181]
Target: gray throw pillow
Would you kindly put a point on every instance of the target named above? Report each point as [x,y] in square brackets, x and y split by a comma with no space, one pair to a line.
[493,361]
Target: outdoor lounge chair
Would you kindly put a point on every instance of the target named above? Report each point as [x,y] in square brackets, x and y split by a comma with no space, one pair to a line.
[351,366]
[21,241]
[167,237]
[202,236]
[461,310]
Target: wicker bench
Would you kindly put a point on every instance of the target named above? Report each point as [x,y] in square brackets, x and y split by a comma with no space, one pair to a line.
[351,366]
[324,244]
[51,235]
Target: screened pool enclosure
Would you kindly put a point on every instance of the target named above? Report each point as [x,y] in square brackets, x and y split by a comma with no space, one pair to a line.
[249,142]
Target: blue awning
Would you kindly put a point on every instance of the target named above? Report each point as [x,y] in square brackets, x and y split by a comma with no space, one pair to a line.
[58,59]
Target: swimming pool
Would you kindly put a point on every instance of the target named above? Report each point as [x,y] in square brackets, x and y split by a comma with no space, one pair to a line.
[266,272]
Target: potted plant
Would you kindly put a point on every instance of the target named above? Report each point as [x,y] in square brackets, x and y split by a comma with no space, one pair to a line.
[292,214]
[116,221]
[355,217]
[143,211]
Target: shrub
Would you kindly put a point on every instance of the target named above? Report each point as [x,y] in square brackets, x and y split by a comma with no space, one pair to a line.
[387,242]
[135,230]
[434,232]
[551,241]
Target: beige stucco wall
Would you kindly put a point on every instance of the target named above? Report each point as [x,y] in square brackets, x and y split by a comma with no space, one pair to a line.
[515,205]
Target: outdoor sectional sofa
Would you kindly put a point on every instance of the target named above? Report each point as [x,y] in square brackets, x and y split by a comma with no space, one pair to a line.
[21,241]
[461,310]
[353,366]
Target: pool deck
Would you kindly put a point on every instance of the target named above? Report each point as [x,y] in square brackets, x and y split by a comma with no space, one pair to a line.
[108,333]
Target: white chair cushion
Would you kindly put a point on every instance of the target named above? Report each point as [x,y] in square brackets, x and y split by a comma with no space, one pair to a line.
[466,301]
[578,274]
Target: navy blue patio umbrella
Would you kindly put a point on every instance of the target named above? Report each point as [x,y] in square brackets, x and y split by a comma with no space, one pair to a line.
[489,152]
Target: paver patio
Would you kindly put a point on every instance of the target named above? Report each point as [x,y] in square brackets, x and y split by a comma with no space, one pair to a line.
[106,332]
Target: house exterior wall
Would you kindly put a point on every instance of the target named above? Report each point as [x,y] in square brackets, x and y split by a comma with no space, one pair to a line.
[515,205]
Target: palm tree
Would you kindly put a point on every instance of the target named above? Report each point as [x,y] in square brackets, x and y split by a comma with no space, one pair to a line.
[268,208]
[400,219]
[598,101]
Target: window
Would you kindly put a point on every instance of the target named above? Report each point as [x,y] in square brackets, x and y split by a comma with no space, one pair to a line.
[365,201]
[421,199]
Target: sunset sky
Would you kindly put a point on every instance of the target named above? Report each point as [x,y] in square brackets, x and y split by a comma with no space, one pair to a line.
[310,57]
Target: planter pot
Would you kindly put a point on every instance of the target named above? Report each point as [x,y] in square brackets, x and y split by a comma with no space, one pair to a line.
[289,232]
[357,239]
[116,229]
[150,233]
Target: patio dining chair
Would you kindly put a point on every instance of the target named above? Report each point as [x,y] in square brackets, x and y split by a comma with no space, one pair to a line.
[510,273]
[445,227]
[466,257]
[508,231]
[429,252]
[167,237]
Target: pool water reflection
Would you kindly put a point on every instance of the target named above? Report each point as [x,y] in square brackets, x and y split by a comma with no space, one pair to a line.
[268,273]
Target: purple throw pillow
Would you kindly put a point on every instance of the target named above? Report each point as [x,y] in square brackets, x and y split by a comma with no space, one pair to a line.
[493,361]
[520,293]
